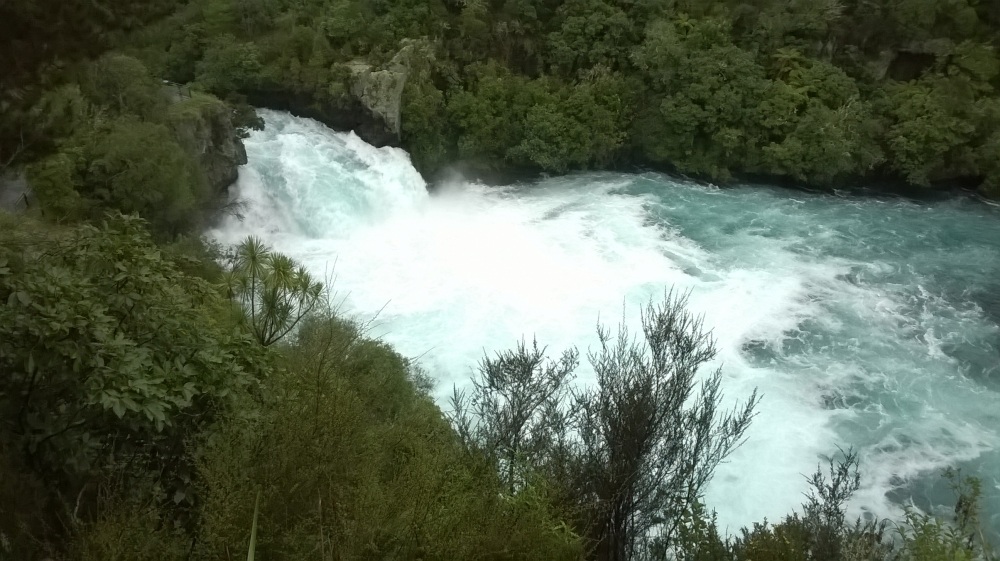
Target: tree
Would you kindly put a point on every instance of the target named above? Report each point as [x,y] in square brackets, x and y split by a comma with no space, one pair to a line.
[820,533]
[650,441]
[577,126]
[352,459]
[631,454]
[490,114]
[939,120]
[30,126]
[591,32]
[138,167]
[111,358]
[699,117]
[272,292]
[228,66]
[815,125]
[54,181]
[424,122]
[507,418]
[124,86]
[924,537]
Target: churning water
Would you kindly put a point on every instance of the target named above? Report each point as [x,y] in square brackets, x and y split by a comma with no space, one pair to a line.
[865,322]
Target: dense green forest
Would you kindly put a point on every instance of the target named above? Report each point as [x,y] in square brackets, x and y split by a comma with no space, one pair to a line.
[164,399]
[812,91]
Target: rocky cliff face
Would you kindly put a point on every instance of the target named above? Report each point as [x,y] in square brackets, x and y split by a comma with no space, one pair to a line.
[381,90]
[204,127]
[203,124]
[373,111]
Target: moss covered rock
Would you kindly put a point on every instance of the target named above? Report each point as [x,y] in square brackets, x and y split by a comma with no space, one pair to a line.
[203,126]
[380,90]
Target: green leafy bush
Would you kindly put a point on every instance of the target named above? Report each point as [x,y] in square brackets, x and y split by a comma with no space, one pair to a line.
[354,461]
[112,358]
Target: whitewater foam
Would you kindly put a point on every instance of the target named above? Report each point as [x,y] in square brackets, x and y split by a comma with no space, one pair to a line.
[844,351]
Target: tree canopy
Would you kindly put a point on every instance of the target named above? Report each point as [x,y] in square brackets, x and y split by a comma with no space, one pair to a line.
[816,92]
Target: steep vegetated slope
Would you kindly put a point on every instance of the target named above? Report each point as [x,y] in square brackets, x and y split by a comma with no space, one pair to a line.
[146,413]
[152,387]
[810,91]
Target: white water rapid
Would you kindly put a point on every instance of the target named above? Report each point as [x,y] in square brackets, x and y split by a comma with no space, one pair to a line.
[864,322]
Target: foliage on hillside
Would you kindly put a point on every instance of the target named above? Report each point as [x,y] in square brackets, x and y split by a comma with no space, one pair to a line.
[810,91]
[815,92]
[140,419]
[40,41]
[121,140]
[112,359]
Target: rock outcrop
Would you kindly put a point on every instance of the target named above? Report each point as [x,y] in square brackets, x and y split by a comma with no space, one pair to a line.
[373,108]
[381,90]
[204,127]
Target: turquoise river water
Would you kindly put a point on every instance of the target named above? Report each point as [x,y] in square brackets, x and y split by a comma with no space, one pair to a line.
[869,322]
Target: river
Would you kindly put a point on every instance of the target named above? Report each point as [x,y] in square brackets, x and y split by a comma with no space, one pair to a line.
[865,322]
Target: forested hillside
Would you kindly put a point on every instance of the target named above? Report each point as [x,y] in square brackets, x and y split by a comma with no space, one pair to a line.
[164,399]
[814,91]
